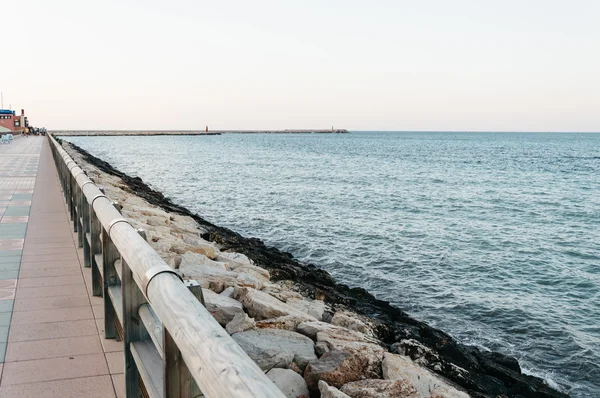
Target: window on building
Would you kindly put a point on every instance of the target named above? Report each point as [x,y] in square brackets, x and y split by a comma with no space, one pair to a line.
[17,123]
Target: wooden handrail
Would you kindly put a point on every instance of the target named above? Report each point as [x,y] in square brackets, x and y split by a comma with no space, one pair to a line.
[217,364]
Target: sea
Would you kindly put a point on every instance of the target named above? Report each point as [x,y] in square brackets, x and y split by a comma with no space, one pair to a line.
[491,237]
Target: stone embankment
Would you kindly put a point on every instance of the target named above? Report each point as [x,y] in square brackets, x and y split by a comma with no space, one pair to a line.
[312,336]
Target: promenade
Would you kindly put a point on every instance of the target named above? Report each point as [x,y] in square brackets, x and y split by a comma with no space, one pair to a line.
[51,327]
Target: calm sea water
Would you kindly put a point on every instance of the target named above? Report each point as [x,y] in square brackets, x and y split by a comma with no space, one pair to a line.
[492,237]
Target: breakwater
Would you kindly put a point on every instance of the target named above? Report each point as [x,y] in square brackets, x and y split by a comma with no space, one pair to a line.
[93,133]
[480,372]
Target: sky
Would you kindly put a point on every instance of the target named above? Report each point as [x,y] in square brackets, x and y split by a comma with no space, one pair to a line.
[526,65]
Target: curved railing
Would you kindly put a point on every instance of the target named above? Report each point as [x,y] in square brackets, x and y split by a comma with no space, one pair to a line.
[173,346]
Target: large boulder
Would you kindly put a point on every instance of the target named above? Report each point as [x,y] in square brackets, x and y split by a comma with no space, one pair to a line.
[247,280]
[381,389]
[291,384]
[206,250]
[311,329]
[222,308]
[275,348]
[424,382]
[328,391]
[240,323]
[258,272]
[373,353]
[282,294]
[341,339]
[200,261]
[260,305]
[350,321]
[314,308]
[336,368]
[234,259]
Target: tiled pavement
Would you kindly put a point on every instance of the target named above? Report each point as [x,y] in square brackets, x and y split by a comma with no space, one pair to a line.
[51,328]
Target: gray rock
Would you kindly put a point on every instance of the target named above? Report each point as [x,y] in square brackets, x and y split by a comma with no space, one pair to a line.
[425,382]
[222,308]
[373,353]
[227,292]
[233,259]
[248,280]
[311,329]
[289,382]
[261,305]
[314,308]
[282,295]
[158,221]
[350,321]
[240,323]
[381,389]
[191,259]
[330,392]
[275,348]
[255,271]
[336,368]
[321,348]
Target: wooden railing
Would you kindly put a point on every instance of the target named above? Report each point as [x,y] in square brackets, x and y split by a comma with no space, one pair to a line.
[173,346]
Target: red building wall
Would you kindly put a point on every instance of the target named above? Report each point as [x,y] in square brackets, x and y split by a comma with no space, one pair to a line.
[8,121]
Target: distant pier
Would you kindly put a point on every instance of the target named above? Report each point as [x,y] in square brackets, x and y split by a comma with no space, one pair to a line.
[192,132]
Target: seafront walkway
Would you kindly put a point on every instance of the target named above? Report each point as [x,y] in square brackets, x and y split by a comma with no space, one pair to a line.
[51,327]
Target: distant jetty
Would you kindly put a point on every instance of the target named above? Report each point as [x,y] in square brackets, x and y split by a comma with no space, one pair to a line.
[192,132]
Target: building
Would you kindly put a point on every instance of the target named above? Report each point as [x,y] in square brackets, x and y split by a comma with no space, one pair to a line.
[11,123]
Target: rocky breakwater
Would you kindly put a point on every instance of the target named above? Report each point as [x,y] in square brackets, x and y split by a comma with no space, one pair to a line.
[312,336]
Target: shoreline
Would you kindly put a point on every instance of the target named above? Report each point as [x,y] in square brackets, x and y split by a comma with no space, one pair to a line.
[480,373]
[90,133]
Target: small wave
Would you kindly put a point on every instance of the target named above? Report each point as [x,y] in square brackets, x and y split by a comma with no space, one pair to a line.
[548,378]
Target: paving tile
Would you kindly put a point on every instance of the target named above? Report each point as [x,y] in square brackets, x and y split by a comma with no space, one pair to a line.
[6,305]
[51,291]
[119,384]
[17,211]
[9,274]
[49,272]
[5,318]
[51,330]
[42,303]
[52,348]
[12,266]
[10,260]
[50,316]
[116,362]
[51,251]
[108,345]
[54,369]
[98,311]
[88,387]
[50,264]
[30,244]
[50,281]
[11,253]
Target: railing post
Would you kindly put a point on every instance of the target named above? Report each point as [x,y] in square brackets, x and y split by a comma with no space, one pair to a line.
[109,255]
[177,380]
[133,327]
[95,248]
[80,214]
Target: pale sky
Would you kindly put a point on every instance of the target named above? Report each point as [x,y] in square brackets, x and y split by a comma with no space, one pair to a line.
[523,65]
